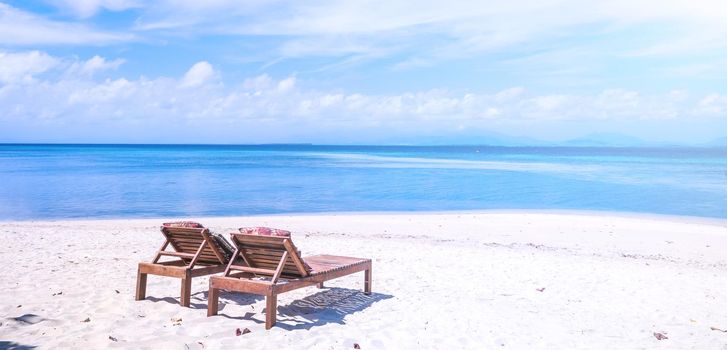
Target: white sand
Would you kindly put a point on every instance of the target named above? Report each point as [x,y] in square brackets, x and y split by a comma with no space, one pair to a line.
[441,281]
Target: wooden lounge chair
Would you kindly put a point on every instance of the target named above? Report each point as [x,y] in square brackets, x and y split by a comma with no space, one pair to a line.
[198,253]
[278,260]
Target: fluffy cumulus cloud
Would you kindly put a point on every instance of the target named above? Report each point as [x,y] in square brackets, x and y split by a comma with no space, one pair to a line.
[93,65]
[21,67]
[26,67]
[28,96]
[200,74]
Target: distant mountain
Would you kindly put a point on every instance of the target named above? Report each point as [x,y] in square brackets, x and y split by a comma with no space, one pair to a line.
[485,138]
[606,140]
[722,141]
[468,138]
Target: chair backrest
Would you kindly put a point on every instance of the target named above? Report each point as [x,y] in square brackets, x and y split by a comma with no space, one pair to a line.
[187,240]
[265,253]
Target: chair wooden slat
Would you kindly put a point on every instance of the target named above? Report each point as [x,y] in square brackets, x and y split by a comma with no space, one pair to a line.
[199,255]
[278,258]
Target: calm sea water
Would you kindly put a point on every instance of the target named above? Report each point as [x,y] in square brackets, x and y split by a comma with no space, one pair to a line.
[84,181]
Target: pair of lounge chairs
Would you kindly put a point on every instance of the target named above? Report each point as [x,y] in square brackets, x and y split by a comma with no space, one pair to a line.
[259,261]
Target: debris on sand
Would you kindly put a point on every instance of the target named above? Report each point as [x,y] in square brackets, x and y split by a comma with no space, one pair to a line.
[660,336]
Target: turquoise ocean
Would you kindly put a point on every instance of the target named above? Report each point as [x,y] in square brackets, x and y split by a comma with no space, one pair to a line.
[116,181]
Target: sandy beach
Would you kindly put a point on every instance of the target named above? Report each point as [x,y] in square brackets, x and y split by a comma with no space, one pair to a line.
[517,280]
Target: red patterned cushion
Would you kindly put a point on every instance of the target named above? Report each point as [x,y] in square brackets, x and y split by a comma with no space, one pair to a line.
[264,231]
[187,224]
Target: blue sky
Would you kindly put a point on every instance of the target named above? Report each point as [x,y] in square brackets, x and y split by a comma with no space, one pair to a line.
[223,71]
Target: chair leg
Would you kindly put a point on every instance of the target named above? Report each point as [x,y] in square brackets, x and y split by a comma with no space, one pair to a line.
[140,285]
[271,309]
[186,290]
[367,281]
[213,299]
[320,285]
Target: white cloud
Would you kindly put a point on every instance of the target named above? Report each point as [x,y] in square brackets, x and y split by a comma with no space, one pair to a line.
[23,66]
[550,103]
[259,82]
[93,65]
[88,8]
[286,84]
[175,14]
[18,27]
[438,31]
[713,104]
[284,102]
[200,74]
[404,34]
[33,94]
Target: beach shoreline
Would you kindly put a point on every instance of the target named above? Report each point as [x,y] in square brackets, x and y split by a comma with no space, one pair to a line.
[570,212]
[536,279]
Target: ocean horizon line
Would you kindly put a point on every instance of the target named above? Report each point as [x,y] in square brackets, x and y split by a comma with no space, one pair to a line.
[554,146]
[682,218]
